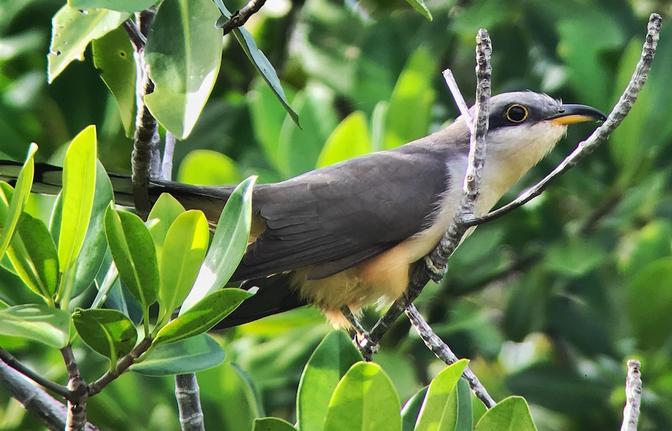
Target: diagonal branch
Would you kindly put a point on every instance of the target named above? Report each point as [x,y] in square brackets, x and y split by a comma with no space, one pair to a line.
[618,113]
[241,16]
[10,360]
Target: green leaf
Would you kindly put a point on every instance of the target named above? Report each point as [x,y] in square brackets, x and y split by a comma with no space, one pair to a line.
[258,59]
[228,382]
[34,257]
[108,332]
[183,253]
[512,413]
[203,315]
[47,325]
[113,57]
[440,410]
[207,167]
[348,140]
[10,216]
[365,399]
[228,244]
[161,217]
[72,30]
[573,258]
[409,111]
[411,410]
[79,186]
[187,356]
[325,368]
[183,54]
[134,255]
[465,414]
[421,8]
[272,424]
[651,319]
[119,5]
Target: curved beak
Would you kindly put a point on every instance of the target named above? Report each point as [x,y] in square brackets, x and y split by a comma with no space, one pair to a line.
[571,114]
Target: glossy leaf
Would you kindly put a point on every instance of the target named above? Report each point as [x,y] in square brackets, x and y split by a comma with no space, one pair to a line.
[365,399]
[79,186]
[108,332]
[207,167]
[327,365]
[421,8]
[259,60]
[183,54]
[465,413]
[161,217]
[348,140]
[41,323]
[113,57]
[73,29]
[512,413]
[440,410]
[411,410]
[183,252]
[202,316]
[119,5]
[34,257]
[228,244]
[272,424]
[134,254]
[187,356]
[11,210]
[649,319]
[408,113]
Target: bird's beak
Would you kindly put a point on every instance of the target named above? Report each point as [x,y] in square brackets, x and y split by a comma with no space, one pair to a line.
[571,114]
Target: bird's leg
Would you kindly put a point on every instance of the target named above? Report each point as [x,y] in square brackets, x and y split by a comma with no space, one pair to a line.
[360,336]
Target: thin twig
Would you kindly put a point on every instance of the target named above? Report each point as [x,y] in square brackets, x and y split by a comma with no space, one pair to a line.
[443,352]
[137,39]
[35,400]
[633,394]
[122,365]
[168,152]
[618,113]
[32,375]
[76,419]
[189,402]
[241,16]
[459,99]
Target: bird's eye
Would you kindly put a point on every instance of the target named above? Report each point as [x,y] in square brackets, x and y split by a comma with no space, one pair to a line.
[516,113]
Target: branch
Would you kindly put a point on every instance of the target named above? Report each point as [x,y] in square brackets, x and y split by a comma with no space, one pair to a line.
[633,393]
[76,419]
[168,152]
[188,402]
[137,38]
[241,16]
[443,352]
[122,366]
[10,360]
[433,266]
[618,113]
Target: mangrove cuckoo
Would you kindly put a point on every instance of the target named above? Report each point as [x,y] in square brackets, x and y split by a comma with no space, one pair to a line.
[348,234]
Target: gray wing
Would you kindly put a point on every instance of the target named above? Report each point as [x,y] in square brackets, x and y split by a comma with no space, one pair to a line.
[334,218]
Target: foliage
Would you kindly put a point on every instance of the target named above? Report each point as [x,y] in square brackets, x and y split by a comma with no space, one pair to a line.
[548,303]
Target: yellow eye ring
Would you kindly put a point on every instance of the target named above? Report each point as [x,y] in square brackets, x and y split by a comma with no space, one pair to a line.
[516,113]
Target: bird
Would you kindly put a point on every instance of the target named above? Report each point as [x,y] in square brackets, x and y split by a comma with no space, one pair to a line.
[349,234]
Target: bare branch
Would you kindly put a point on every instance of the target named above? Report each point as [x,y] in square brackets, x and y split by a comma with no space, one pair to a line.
[188,402]
[459,99]
[32,375]
[122,365]
[76,419]
[137,38]
[241,16]
[443,352]
[633,394]
[618,113]
[168,152]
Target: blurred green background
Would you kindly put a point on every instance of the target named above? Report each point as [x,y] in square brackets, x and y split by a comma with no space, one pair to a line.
[548,302]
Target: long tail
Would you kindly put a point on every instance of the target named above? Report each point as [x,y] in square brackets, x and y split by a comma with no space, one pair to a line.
[48,179]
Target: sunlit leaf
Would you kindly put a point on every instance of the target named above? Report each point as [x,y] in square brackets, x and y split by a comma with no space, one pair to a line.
[183,252]
[183,54]
[203,315]
[161,217]
[119,5]
[73,29]
[512,413]
[421,8]
[348,140]
[207,167]
[108,332]
[440,409]
[272,424]
[187,356]
[113,57]
[411,410]
[327,365]
[228,244]
[365,399]
[47,325]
